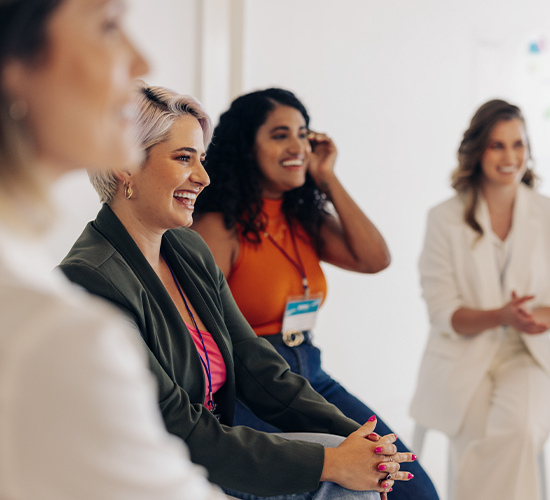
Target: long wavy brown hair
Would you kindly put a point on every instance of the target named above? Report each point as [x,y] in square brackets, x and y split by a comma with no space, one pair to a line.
[466,178]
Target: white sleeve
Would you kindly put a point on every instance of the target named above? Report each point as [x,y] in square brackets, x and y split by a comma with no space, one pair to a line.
[85,422]
[438,276]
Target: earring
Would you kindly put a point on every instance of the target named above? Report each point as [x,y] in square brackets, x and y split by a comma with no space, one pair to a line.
[128,191]
[18,110]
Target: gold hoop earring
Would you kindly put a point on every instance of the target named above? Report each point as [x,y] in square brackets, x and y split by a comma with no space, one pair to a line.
[128,191]
[18,110]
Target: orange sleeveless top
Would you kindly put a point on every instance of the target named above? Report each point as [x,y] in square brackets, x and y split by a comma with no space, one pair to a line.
[263,279]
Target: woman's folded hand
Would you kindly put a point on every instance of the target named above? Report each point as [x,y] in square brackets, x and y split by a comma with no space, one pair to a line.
[366,461]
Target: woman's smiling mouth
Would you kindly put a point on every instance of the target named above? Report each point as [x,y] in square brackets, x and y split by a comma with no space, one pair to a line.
[186,198]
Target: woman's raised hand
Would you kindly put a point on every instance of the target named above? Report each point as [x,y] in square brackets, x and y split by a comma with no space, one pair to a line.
[322,158]
[361,463]
[514,314]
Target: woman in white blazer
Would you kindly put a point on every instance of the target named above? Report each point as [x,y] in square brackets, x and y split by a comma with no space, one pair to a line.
[78,412]
[485,273]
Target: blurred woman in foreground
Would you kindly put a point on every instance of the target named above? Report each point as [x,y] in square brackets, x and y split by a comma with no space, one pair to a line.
[78,417]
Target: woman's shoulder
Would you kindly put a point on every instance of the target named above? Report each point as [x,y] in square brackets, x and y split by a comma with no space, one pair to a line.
[449,211]
[189,239]
[91,248]
[224,243]
[536,197]
[95,264]
[83,351]
[62,311]
[189,243]
[211,226]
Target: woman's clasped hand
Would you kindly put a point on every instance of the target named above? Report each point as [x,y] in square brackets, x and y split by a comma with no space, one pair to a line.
[516,315]
[366,461]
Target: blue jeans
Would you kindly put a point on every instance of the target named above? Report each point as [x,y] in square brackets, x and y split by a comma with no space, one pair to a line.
[326,490]
[306,361]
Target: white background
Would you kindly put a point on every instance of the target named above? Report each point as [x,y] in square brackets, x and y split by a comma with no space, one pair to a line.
[395,84]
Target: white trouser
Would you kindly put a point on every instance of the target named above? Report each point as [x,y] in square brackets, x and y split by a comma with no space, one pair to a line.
[505,428]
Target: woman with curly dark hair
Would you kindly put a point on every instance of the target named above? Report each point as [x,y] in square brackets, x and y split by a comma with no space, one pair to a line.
[273,211]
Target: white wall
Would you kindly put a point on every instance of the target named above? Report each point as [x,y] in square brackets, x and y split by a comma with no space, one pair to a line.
[395,84]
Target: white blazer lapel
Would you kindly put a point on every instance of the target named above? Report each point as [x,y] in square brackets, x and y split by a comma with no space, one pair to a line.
[521,276]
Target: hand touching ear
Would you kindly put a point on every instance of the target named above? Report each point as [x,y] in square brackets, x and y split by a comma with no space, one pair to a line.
[322,158]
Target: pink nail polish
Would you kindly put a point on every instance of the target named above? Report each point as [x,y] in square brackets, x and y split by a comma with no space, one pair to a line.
[382,467]
[410,476]
[391,489]
[385,485]
[373,435]
[395,436]
[378,449]
[372,419]
[414,457]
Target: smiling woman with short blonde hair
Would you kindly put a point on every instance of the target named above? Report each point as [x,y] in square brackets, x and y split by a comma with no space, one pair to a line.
[157,108]
[140,254]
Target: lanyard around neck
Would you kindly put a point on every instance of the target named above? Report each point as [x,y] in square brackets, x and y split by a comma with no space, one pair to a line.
[211,406]
[299,265]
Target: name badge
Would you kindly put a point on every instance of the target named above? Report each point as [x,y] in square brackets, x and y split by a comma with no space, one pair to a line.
[301,313]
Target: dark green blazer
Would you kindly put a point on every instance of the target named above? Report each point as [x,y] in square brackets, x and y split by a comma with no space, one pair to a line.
[106,261]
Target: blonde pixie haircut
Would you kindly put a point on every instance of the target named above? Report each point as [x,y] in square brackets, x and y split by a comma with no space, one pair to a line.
[157,108]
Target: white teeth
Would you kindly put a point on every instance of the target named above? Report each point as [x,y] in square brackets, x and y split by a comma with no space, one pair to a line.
[508,170]
[293,163]
[190,196]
